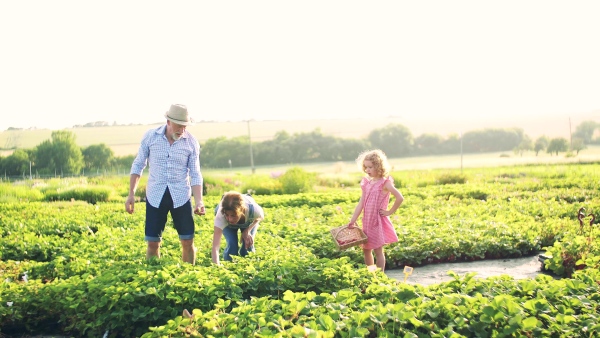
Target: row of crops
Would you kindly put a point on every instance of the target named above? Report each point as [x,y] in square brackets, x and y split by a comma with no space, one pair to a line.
[79,269]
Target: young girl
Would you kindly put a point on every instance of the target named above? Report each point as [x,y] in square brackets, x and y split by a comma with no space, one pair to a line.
[376,187]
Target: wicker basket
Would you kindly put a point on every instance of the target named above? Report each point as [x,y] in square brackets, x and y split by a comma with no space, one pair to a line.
[344,238]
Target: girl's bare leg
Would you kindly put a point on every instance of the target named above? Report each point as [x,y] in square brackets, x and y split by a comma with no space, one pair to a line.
[368,257]
[380,257]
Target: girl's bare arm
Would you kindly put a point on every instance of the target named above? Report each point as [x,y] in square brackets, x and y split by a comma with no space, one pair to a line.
[388,186]
[357,211]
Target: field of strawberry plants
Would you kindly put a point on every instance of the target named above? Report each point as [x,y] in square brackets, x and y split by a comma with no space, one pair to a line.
[74,268]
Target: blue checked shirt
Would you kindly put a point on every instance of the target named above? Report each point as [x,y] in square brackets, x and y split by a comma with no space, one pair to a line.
[175,166]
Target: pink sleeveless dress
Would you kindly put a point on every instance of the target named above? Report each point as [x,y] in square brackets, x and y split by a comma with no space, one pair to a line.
[379,229]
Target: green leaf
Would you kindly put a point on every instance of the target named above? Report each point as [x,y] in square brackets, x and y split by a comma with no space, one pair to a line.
[415,322]
[529,323]
[433,314]
[326,322]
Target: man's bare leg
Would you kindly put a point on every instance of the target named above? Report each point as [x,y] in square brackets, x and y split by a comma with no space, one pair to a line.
[153,250]
[188,251]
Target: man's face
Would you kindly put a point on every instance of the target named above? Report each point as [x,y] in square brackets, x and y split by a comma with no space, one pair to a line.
[175,130]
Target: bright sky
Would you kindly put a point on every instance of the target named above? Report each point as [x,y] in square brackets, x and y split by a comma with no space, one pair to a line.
[71,62]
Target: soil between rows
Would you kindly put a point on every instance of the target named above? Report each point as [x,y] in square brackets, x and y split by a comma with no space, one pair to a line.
[518,268]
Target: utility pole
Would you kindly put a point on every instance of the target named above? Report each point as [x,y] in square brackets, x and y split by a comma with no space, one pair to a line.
[570,134]
[461,153]
[250,141]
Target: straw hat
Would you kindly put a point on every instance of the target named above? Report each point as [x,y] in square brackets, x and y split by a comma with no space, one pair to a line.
[178,113]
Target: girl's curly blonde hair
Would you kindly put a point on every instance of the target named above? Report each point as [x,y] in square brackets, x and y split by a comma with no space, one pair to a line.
[377,158]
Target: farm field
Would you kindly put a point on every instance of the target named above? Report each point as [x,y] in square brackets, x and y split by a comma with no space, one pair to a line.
[75,268]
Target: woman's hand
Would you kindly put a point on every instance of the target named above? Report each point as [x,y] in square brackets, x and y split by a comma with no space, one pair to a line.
[351,225]
[247,239]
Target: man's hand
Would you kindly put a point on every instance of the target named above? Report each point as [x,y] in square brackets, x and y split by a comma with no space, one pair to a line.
[129,203]
[199,209]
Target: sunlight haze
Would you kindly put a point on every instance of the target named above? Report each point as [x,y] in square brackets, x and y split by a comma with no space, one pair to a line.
[445,63]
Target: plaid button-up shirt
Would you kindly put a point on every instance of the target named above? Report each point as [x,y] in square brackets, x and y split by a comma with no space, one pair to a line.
[175,166]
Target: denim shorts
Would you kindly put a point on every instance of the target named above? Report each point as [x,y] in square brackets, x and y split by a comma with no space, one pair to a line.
[156,219]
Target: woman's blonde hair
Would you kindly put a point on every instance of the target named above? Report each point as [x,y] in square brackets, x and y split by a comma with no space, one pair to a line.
[233,201]
[379,160]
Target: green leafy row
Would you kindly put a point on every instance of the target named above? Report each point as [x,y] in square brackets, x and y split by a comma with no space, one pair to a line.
[463,307]
[74,268]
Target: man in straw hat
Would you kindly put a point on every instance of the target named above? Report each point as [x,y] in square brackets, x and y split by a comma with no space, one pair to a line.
[174,158]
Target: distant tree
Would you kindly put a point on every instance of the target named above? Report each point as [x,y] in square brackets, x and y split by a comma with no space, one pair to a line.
[525,145]
[217,152]
[577,145]
[16,163]
[274,151]
[395,140]
[123,162]
[309,147]
[60,154]
[429,143]
[585,131]
[351,148]
[451,144]
[541,144]
[97,156]
[557,145]
[492,139]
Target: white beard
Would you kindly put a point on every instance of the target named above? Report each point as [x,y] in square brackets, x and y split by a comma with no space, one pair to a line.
[175,137]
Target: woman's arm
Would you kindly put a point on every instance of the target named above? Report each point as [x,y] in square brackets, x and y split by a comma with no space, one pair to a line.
[259,215]
[247,239]
[216,245]
[252,225]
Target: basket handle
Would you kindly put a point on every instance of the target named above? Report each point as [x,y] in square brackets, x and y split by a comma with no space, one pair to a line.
[340,230]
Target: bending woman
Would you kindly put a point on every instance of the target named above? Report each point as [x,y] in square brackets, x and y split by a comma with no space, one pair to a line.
[236,212]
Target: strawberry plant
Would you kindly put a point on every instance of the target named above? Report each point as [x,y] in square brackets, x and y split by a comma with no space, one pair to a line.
[79,269]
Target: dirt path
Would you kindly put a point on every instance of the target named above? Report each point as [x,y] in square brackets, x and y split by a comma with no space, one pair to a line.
[518,268]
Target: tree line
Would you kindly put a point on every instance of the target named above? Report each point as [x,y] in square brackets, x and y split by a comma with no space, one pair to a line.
[61,156]
[394,139]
